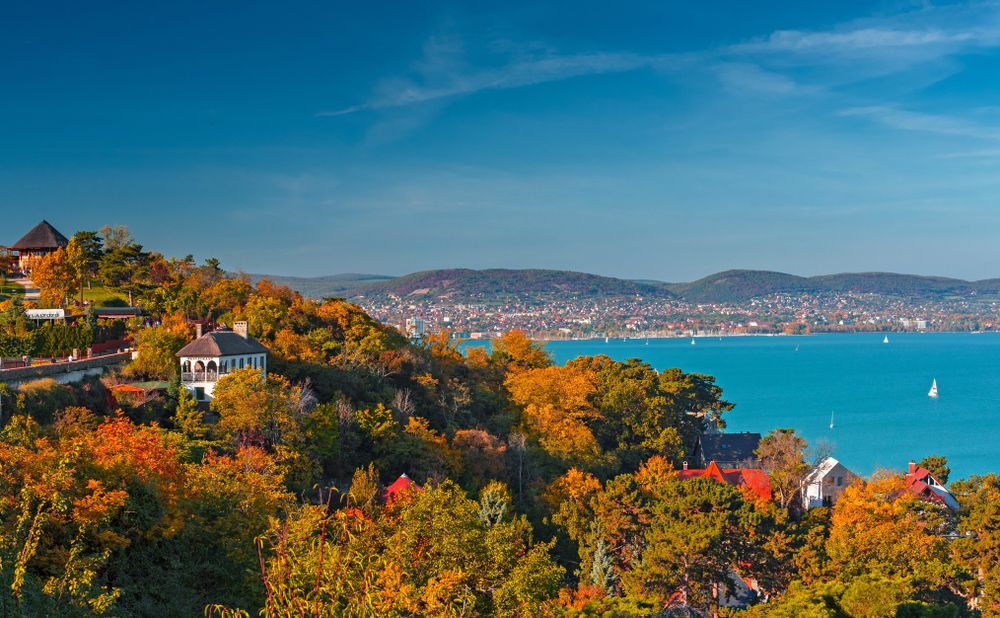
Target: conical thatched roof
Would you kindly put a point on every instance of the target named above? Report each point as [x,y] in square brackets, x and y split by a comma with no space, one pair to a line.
[42,236]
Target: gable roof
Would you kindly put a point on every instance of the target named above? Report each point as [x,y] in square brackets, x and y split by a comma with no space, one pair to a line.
[729,446]
[823,468]
[222,342]
[42,236]
[753,480]
[921,482]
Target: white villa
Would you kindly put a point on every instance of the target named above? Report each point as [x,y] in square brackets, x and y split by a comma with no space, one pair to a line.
[213,355]
[826,483]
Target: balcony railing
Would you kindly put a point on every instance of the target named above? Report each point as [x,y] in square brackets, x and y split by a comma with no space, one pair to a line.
[202,376]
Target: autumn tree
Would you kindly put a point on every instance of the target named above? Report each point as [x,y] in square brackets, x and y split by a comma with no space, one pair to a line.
[879,527]
[557,409]
[55,277]
[157,348]
[782,455]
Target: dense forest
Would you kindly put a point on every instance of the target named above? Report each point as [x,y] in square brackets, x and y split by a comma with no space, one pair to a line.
[531,489]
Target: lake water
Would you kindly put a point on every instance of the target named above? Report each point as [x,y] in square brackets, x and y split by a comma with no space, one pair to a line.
[878,392]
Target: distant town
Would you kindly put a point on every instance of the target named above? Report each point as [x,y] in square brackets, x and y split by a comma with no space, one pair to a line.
[638,317]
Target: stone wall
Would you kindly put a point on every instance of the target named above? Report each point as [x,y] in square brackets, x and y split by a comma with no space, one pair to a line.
[68,371]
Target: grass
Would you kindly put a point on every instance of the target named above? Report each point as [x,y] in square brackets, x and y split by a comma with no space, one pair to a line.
[99,294]
[9,288]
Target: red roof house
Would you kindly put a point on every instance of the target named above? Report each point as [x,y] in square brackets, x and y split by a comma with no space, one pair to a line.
[757,482]
[401,486]
[921,482]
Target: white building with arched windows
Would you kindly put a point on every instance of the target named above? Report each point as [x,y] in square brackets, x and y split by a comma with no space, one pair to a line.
[213,355]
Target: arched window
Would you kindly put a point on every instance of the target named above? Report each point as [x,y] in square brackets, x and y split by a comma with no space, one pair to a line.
[199,366]
[212,367]
[186,366]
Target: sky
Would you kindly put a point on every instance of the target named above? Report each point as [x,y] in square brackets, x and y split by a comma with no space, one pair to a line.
[656,140]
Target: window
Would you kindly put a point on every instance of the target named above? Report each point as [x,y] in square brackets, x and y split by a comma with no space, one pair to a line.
[241,363]
[840,481]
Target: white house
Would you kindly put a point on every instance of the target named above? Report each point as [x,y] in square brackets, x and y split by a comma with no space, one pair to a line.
[825,484]
[213,355]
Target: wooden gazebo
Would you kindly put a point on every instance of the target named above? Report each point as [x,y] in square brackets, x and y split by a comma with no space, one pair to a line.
[42,240]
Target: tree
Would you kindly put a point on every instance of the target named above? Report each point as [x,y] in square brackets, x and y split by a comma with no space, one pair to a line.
[782,456]
[977,549]
[696,534]
[937,465]
[188,418]
[515,350]
[157,348]
[556,410]
[85,250]
[250,404]
[879,527]
[55,277]
[123,266]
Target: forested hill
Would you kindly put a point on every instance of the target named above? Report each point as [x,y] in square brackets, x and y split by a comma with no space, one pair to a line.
[731,286]
[502,283]
[742,285]
[324,287]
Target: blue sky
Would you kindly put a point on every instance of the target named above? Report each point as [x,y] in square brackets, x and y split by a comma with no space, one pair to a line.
[661,140]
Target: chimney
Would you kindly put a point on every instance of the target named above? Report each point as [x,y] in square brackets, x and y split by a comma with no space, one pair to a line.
[240,328]
[685,465]
[197,331]
[913,467]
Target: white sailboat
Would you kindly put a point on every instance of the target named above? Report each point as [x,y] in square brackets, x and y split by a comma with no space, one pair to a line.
[933,392]
[692,341]
[885,339]
[605,340]
[831,420]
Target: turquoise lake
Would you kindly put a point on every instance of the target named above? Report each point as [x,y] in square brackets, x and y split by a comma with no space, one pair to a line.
[877,391]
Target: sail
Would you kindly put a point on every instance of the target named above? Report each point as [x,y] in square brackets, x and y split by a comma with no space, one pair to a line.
[885,339]
[934,391]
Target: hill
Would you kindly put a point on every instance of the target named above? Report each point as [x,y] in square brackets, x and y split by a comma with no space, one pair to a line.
[463,283]
[325,287]
[731,286]
[740,285]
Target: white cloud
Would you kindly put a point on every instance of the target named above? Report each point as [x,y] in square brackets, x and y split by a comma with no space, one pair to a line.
[749,77]
[928,123]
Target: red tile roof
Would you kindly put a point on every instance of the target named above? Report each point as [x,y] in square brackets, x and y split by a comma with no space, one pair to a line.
[755,481]
[921,482]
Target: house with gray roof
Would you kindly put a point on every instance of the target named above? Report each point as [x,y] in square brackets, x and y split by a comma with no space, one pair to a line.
[213,355]
[727,450]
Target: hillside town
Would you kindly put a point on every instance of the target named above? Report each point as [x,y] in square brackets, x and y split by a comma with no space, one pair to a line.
[638,317]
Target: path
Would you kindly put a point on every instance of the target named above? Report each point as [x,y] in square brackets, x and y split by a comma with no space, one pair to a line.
[30,291]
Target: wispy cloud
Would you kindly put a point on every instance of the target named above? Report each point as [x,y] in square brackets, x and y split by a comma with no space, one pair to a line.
[928,123]
[863,39]
[850,52]
[442,73]
[748,77]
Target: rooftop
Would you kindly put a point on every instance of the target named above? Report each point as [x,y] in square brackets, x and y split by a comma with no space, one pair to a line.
[42,236]
[222,342]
